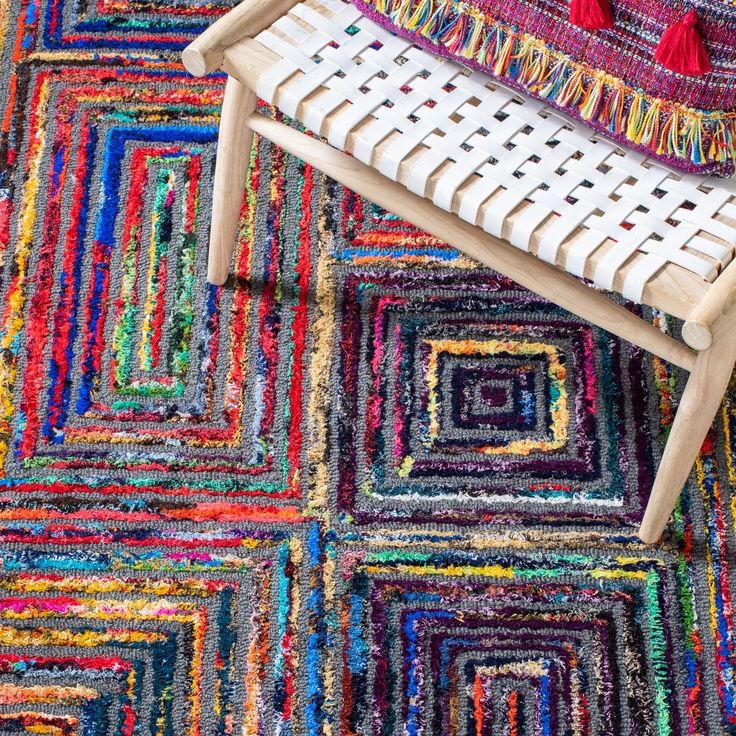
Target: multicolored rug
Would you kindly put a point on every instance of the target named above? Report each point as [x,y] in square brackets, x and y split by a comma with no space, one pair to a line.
[366,488]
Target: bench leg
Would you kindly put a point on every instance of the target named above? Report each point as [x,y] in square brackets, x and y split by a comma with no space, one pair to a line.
[231,169]
[700,401]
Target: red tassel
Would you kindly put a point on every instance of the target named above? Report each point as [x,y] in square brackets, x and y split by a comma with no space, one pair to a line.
[682,49]
[591,14]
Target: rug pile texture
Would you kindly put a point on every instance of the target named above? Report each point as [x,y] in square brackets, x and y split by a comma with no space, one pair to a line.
[366,488]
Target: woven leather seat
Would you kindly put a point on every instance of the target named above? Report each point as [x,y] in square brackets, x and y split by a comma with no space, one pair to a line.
[511,165]
[507,180]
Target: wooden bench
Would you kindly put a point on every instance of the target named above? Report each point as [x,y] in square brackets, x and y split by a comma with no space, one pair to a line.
[508,180]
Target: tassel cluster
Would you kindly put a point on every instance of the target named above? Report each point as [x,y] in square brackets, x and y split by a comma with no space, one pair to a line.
[591,14]
[680,50]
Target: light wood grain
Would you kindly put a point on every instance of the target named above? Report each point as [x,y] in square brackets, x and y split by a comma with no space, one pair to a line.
[231,169]
[697,330]
[700,402]
[250,17]
[526,269]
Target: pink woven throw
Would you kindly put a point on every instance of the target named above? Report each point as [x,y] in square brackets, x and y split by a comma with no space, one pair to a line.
[656,76]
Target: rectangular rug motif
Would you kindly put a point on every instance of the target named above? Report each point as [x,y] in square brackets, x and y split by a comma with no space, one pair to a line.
[365,488]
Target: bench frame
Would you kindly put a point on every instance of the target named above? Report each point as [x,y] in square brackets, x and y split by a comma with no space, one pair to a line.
[709,330]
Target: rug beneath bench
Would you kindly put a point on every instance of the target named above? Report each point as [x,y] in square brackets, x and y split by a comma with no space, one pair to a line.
[365,488]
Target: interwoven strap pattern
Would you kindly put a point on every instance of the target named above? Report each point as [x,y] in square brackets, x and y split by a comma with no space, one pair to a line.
[512,166]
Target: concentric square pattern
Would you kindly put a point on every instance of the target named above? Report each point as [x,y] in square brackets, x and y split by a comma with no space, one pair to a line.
[506,640]
[463,398]
[365,488]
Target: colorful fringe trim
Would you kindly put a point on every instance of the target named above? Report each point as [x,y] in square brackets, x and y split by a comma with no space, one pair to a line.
[706,140]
